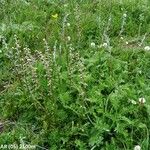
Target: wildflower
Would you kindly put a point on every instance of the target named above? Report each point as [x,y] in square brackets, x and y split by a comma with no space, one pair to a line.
[68,38]
[127,42]
[124,15]
[55,16]
[0,51]
[142,100]
[105,45]
[137,147]
[93,45]
[147,48]
[68,24]
[121,38]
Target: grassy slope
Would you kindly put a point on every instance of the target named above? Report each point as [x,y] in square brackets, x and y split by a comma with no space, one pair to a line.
[80,99]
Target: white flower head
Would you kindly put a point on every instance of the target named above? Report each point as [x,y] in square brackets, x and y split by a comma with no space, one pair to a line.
[137,147]
[127,42]
[105,45]
[121,38]
[147,48]
[68,38]
[124,15]
[142,100]
[68,24]
[93,44]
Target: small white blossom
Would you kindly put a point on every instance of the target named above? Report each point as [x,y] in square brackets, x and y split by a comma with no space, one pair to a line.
[0,51]
[147,48]
[93,45]
[105,44]
[142,100]
[68,38]
[68,24]
[127,42]
[125,15]
[121,38]
[137,147]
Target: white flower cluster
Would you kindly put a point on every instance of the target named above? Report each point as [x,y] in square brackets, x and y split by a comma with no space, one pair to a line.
[141,101]
[93,45]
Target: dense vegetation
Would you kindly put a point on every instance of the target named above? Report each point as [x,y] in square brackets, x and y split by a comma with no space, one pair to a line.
[75,74]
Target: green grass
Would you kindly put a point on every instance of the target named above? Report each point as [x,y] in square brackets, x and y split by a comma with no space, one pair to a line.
[60,92]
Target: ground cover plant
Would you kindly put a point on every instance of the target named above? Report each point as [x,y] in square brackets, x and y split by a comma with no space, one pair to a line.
[74,74]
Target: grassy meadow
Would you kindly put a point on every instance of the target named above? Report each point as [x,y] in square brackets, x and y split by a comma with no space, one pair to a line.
[75,74]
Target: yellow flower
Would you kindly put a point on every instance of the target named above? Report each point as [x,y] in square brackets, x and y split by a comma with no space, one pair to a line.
[55,16]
